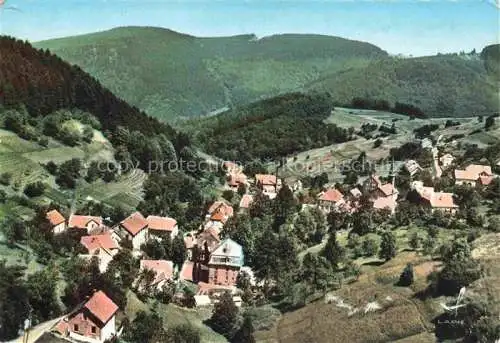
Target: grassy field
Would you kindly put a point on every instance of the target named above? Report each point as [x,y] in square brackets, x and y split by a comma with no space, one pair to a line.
[487,250]
[400,315]
[330,159]
[126,191]
[24,161]
[173,315]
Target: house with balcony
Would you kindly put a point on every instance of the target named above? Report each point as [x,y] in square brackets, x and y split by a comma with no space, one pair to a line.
[225,263]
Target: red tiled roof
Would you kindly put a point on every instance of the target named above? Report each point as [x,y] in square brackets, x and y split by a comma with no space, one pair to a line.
[98,241]
[385,203]
[220,211]
[62,327]
[237,179]
[266,179]
[101,306]
[55,218]
[80,222]
[161,223]
[246,200]
[163,269]
[479,169]
[387,189]
[485,180]
[217,216]
[228,209]
[187,271]
[134,223]
[443,200]
[331,195]
[473,172]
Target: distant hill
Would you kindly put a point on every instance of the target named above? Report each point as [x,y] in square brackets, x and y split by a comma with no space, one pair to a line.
[171,75]
[447,85]
[491,57]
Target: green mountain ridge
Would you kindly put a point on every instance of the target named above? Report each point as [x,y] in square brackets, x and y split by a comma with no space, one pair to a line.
[440,85]
[171,75]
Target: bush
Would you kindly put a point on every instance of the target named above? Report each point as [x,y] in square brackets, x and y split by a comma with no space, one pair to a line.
[369,246]
[43,141]
[5,178]
[34,189]
[51,167]
[406,277]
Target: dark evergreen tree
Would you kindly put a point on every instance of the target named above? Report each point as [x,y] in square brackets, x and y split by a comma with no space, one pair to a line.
[225,316]
[406,277]
[387,246]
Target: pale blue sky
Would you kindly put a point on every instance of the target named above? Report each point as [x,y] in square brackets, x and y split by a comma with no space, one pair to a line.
[397,26]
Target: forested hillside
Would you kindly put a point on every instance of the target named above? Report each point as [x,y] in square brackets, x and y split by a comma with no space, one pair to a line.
[44,83]
[441,86]
[491,57]
[172,75]
[269,129]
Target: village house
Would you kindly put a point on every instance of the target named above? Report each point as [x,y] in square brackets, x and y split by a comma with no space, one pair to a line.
[331,200]
[384,195]
[232,167]
[235,176]
[92,321]
[437,201]
[474,174]
[103,247]
[88,223]
[444,202]
[208,239]
[446,160]
[135,229]
[225,263]
[57,221]
[269,184]
[246,201]
[412,167]
[218,214]
[163,272]
[157,226]
[355,193]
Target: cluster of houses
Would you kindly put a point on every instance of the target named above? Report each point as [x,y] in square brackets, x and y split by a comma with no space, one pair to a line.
[215,269]
[385,195]
[214,263]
